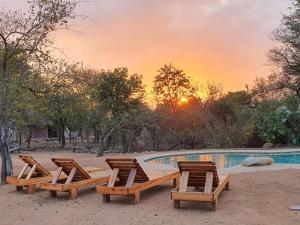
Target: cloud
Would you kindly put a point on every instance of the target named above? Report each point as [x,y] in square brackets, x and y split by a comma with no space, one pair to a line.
[223,40]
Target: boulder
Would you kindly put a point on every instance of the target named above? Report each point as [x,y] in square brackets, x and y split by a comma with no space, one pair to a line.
[257,161]
[268,145]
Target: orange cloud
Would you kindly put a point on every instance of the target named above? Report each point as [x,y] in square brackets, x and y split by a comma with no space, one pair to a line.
[218,40]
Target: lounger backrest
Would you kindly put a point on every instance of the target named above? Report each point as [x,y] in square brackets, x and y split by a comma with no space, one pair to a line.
[124,166]
[39,170]
[67,166]
[197,172]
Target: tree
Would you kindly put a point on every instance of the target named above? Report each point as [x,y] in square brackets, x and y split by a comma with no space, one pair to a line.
[285,58]
[119,95]
[25,108]
[64,98]
[170,86]
[26,34]
[275,127]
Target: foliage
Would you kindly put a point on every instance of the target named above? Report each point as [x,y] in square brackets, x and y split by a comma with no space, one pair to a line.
[285,58]
[277,97]
[38,89]
[170,85]
[118,96]
[279,126]
[118,91]
[25,35]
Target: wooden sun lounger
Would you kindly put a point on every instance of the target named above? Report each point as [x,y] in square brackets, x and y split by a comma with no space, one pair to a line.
[36,175]
[77,177]
[203,177]
[129,179]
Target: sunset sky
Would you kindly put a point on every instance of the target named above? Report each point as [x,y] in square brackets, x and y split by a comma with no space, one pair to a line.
[217,40]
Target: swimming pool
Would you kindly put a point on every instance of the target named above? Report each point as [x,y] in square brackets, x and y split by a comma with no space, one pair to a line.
[225,160]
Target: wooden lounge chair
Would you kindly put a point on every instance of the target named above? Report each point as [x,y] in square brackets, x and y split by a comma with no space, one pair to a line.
[129,179]
[36,175]
[77,177]
[203,177]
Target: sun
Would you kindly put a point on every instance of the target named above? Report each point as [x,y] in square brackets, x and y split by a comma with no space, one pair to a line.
[183,100]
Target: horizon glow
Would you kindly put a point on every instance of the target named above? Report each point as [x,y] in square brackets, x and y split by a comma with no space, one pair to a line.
[225,41]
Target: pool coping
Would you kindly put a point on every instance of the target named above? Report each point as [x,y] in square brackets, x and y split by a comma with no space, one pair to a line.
[235,169]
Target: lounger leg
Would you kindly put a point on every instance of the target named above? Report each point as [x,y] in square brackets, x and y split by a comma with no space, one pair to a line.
[176,204]
[31,189]
[136,197]
[19,188]
[227,186]
[73,193]
[214,205]
[53,194]
[176,182]
[106,198]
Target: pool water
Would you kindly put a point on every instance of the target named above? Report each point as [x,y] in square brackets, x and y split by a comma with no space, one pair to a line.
[225,160]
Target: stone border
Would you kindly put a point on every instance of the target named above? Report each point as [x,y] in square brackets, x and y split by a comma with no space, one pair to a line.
[235,169]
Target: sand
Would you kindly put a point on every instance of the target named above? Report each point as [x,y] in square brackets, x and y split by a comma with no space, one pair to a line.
[257,198]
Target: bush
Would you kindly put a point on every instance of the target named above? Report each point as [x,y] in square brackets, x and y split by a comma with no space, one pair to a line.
[279,126]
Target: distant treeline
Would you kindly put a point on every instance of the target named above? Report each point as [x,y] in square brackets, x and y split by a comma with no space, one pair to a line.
[39,89]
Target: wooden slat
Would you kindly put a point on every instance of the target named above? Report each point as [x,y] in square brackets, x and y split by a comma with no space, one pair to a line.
[31,172]
[39,168]
[24,182]
[184,181]
[191,196]
[125,166]
[113,177]
[23,171]
[209,182]
[198,171]
[119,159]
[71,175]
[131,178]
[68,165]
[138,187]
[58,172]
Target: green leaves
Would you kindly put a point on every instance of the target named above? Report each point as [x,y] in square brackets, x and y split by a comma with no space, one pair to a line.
[279,126]
[170,85]
[118,92]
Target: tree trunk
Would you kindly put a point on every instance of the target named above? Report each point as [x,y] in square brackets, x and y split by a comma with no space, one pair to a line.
[106,136]
[5,130]
[81,136]
[124,142]
[70,137]
[105,143]
[29,138]
[97,136]
[87,137]
[6,169]
[62,131]
[133,143]
[20,138]
[74,143]
[5,139]
[63,139]
[155,139]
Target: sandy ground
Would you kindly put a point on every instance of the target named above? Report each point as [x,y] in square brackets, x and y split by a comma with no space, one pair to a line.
[258,198]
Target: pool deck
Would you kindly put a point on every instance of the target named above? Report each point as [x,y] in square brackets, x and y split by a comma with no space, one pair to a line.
[235,169]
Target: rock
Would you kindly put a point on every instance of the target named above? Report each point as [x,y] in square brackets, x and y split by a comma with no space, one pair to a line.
[257,161]
[268,145]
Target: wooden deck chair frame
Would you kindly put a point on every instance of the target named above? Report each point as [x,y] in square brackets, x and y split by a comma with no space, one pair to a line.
[76,177]
[129,179]
[36,175]
[203,177]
